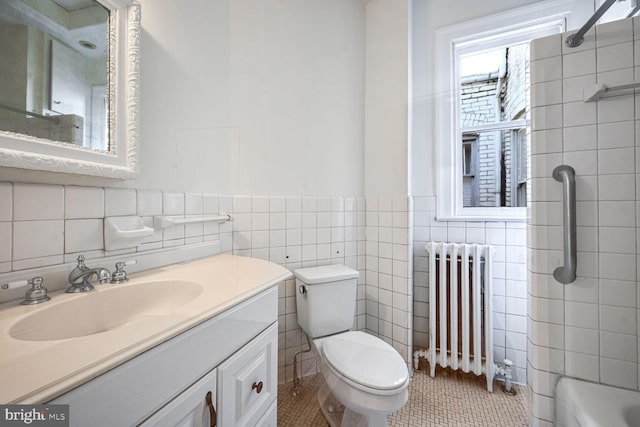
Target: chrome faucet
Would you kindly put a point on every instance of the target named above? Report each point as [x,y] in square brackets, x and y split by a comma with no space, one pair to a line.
[81,275]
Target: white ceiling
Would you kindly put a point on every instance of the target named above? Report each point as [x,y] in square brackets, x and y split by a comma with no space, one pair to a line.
[73,5]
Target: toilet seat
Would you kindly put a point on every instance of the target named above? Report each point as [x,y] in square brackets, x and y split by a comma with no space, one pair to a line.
[365,362]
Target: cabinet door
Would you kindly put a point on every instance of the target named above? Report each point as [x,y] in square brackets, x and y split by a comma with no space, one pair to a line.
[270,419]
[191,408]
[247,382]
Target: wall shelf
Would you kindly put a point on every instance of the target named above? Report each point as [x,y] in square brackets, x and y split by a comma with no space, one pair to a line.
[124,232]
[160,222]
[600,90]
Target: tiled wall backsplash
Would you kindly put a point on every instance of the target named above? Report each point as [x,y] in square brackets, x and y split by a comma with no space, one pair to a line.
[509,286]
[42,225]
[587,329]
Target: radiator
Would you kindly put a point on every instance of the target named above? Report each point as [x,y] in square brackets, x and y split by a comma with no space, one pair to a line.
[460,322]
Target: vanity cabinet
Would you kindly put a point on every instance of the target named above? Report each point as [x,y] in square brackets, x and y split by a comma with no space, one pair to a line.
[248,381]
[228,355]
[192,408]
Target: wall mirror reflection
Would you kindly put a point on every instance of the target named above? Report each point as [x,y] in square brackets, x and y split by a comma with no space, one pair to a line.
[54,71]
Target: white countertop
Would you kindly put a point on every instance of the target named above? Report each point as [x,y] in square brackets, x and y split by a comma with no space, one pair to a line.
[38,371]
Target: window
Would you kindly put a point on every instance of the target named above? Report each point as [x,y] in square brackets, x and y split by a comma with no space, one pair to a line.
[482,111]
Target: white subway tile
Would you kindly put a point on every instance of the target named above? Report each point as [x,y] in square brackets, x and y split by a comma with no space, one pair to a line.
[581,340]
[546,141]
[37,202]
[193,204]
[580,138]
[149,203]
[618,319]
[617,187]
[83,202]
[294,220]
[579,63]
[579,114]
[277,204]
[211,203]
[260,204]
[83,235]
[619,346]
[581,315]
[616,109]
[573,88]
[617,240]
[615,32]
[617,266]
[582,290]
[583,366]
[546,93]
[6,201]
[617,292]
[616,135]
[547,69]
[37,239]
[619,373]
[546,47]
[548,117]
[5,241]
[119,202]
[260,221]
[616,214]
[614,57]
[241,204]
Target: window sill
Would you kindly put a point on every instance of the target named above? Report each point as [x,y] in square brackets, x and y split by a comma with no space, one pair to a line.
[477,218]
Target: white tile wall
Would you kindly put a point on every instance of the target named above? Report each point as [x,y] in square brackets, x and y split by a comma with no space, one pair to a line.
[389,271]
[588,329]
[43,225]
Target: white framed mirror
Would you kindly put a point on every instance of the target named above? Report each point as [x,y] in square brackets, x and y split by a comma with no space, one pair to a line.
[70,97]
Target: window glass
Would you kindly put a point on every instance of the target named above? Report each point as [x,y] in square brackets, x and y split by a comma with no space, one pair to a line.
[493,108]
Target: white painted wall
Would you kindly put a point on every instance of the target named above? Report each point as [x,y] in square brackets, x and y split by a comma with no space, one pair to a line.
[247,96]
[387,91]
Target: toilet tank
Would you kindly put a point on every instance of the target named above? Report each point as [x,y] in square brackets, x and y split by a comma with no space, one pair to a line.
[326,299]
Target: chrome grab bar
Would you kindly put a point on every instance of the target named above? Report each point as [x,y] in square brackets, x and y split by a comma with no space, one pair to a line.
[567,175]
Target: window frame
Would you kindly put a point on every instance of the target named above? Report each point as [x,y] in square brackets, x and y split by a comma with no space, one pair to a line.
[487,33]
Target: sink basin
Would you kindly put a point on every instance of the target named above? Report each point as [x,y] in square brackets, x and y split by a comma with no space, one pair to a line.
[104,310]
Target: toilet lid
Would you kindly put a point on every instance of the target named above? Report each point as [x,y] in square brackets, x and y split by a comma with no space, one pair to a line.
[366,360]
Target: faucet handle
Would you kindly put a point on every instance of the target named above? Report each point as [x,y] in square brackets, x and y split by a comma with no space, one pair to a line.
[80,260]
[120,276]
[35,295]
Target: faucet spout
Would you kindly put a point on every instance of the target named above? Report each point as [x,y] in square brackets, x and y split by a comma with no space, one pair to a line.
[80,277]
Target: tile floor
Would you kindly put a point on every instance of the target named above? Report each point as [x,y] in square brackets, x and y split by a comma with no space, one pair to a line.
[449,399]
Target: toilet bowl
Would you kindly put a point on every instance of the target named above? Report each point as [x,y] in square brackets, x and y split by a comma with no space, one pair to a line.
[366,379]
[363,373]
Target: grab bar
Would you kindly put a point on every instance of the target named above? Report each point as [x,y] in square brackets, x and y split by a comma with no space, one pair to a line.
[567,175]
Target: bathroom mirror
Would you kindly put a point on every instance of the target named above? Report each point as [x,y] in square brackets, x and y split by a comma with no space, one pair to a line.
[69,79]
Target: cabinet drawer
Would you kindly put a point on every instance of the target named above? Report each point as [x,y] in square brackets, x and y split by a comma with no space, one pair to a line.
[190,408]
[247,382]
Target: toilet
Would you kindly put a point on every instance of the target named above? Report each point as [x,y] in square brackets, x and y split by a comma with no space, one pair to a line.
[365,378]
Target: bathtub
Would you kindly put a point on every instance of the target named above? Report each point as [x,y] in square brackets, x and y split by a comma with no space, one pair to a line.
[584,404]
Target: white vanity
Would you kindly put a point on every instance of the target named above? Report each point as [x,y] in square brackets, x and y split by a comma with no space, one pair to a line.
[172,360]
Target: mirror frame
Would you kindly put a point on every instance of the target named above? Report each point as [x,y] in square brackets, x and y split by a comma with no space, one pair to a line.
[27,152]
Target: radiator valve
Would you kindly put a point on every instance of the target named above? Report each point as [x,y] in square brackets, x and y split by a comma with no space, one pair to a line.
[505,370]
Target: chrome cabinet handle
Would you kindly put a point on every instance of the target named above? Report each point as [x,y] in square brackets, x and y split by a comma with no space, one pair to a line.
[567,175]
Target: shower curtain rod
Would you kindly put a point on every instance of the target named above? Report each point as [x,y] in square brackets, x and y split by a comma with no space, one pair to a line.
[576,39]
